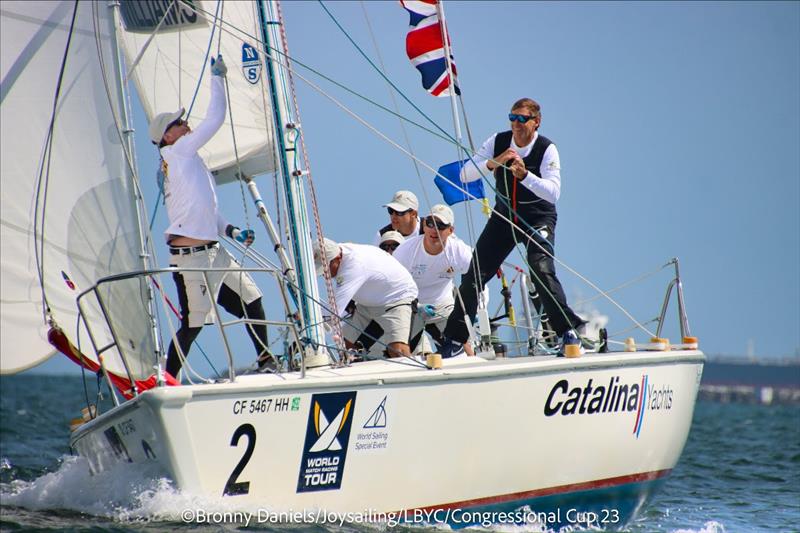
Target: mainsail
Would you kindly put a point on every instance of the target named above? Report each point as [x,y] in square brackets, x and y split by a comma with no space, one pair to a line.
[165,70]
[68,211]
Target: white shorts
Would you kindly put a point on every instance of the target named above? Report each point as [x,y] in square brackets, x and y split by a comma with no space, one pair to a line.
[197,300]
[394,319]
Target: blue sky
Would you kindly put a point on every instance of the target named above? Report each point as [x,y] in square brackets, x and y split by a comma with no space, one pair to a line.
[678,126]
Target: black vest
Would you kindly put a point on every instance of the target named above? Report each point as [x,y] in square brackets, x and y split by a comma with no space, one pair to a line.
[531,208]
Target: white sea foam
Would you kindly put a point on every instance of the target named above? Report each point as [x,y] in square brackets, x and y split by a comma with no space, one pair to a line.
[711,526]
[124,492]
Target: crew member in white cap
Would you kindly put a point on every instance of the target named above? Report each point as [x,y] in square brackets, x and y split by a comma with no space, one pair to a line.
[403,215]
[194,225]
[391,240]
[434,259]
[381,288]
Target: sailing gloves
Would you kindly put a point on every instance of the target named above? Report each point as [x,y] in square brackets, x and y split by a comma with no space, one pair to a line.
[246,236]
[218,67]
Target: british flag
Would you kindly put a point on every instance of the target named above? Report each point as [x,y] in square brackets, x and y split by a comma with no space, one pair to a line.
[425,47]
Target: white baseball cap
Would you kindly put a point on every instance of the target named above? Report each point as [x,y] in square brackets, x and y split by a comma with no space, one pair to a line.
[403,201]
[393,235]
[332,250]
[158,126]
[443,213]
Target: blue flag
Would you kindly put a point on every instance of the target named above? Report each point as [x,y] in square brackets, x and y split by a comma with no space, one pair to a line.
[451,185]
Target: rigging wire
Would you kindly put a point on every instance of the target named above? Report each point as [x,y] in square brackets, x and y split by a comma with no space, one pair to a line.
[312,189]
[43,178]
[391,92]
[446,136]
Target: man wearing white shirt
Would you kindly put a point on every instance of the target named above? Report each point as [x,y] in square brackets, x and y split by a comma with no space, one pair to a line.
[194,224]
[403,216]
[434,259]
[382,289]
[527,172]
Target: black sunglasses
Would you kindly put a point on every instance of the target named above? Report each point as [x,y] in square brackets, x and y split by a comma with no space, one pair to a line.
[522,119]
[389,247]
[395,212]
[431,222]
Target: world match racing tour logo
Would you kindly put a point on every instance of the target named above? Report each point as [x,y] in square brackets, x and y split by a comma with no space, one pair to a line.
[616,397]
[330,418]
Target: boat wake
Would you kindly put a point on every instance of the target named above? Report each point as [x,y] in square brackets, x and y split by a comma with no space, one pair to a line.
[130,494]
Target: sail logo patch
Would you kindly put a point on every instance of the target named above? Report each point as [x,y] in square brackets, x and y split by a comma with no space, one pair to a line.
[251,64]
[330,417]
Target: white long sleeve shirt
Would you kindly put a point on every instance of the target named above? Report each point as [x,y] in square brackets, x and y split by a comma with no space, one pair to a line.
[189,188]
[371,277]
[546,187]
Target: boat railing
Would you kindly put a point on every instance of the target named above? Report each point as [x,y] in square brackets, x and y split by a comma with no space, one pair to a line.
[682,319]
[127,354]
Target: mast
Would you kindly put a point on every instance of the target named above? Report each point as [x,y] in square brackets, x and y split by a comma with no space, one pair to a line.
[130,178]
[484,327]
[299,228]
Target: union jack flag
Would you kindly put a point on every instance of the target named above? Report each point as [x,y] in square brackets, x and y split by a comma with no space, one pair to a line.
[425,47]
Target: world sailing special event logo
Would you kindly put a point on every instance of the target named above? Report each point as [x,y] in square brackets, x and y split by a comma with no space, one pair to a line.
[590,398]
[330,418]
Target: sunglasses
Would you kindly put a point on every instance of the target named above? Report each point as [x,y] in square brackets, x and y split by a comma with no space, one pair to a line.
[389,247]
[398,213]
[522,119]
[431,222]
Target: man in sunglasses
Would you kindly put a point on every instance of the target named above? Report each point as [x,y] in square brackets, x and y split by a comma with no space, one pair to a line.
[403,215]
[433,259]
[382,290]
[194,226]
[527,172]
[391,240]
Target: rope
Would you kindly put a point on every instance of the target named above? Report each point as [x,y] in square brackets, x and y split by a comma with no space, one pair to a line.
[205,59]
[312,190]
[503,217]
[446,137]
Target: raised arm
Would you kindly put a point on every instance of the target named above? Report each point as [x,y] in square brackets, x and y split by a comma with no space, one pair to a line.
[215,116]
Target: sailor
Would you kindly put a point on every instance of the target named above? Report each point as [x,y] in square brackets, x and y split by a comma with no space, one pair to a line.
[403,215]
[433,259]
[383,291]
[527,172]
[391,240]
[194,225]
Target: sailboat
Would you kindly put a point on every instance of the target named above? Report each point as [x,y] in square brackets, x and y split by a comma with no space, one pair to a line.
[585,440]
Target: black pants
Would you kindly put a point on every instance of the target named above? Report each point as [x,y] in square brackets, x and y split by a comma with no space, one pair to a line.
[231,302]
[495,243]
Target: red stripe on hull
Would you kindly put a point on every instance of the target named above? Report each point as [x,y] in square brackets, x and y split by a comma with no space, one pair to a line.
[575,487]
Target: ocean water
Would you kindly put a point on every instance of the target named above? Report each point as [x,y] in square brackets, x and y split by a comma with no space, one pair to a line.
[740,471]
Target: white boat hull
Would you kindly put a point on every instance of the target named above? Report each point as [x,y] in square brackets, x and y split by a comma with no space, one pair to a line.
[555,435]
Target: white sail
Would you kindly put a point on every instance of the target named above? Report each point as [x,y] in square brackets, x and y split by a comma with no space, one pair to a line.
[71,205]
[166,72]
